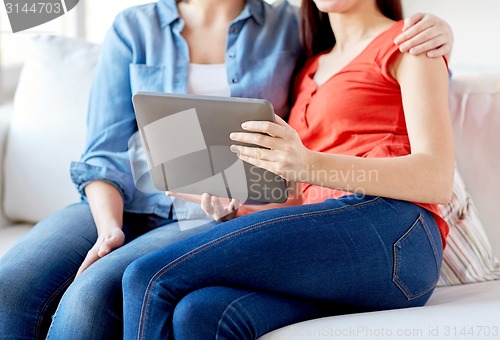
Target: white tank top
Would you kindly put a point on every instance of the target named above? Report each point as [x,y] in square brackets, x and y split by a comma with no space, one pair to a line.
[208,80]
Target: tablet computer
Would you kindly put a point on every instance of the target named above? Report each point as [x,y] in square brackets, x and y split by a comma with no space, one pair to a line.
[186,142]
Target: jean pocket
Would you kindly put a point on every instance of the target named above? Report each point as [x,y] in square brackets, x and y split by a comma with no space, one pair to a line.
[416,260]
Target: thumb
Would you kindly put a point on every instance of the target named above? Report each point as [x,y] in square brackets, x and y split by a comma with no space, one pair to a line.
[280,121]
[412,20]
[107,246]
[104,249]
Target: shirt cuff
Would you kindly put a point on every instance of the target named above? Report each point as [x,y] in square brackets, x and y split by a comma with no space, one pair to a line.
[82,174]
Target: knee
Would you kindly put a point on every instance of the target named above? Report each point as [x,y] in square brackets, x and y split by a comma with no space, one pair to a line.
[90,308]
[86,296]
[193,319]
[200,315]
[135,280]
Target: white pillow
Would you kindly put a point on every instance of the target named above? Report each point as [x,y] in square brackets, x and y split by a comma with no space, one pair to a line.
[48,126]
[468,256]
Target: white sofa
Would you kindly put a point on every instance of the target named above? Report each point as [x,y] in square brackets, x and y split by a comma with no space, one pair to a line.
[45,129]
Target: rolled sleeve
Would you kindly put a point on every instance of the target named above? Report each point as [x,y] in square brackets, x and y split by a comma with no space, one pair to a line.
[83,174]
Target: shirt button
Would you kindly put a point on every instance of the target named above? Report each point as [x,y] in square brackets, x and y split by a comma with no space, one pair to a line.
[231,55]
[233,29]
[234,80]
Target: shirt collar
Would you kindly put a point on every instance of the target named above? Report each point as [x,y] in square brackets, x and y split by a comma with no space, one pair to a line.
[168,12]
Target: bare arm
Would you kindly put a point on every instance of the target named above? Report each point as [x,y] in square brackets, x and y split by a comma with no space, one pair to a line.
[106,205]
[426,175]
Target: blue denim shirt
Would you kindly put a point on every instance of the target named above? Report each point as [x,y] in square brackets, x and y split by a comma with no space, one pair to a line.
[145,51]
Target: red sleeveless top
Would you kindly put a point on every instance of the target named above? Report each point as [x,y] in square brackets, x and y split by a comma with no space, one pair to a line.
[357,112]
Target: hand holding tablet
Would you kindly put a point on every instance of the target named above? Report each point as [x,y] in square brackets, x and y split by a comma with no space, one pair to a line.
[187,145]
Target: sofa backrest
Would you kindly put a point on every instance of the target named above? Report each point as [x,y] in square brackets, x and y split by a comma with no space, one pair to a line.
[475,113]
[47,129]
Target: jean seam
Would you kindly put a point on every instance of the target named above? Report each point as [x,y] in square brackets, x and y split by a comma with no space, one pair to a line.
[196,251]
[230,306]
[396,279]
[46,306]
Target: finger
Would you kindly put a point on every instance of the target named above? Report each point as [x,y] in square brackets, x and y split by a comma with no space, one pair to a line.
[440,52]
[421,38]
[219,210]
[206,204]
[412,20]
[231,206]
[269,128]
[109,245]
[428,46]
[412,32]
[258,153]
[268,165]
[237,203]
[186,197]
[89,260]
[255,139]
[234,205]
[104,249]
[280,121]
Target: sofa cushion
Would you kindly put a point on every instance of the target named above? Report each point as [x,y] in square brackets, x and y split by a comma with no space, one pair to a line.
[468,257]
[10,235]
[458,312]
[48,126]
[475,113]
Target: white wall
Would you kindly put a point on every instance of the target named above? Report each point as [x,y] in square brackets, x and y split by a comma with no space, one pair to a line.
[476,26]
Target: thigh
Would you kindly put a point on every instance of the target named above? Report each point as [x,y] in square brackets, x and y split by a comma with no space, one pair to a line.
[113,265]
[35,272]
[237,313]
[339,251]
[91,308]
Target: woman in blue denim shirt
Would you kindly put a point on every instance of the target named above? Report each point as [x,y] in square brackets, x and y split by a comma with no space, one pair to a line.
[148,48]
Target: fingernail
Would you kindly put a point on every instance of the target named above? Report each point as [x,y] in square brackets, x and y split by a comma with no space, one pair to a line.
[233,148]
[232,135]
[245,125]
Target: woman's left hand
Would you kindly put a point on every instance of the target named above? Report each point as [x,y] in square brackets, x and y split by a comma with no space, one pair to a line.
[278,148]
[426,33]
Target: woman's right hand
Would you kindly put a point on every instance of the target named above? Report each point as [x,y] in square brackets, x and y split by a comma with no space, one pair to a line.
[220,209]
[110,240]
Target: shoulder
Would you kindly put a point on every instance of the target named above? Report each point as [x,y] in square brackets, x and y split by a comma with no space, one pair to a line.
[138,20]
[385,42]
[137,14]
[281,13]
[282,8]
[412,67]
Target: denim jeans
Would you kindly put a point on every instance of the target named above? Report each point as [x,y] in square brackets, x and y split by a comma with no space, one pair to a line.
[249,276]
[40,269]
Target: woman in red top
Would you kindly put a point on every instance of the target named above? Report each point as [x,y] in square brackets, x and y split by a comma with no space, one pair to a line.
[371,144]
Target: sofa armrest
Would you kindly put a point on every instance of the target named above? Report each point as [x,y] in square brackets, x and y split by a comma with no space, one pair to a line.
[5,114]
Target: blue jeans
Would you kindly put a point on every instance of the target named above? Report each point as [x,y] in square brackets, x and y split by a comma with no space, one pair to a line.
[249,276]
[40,269]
